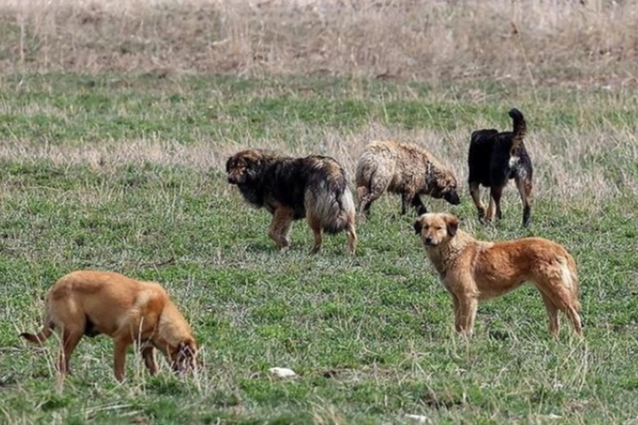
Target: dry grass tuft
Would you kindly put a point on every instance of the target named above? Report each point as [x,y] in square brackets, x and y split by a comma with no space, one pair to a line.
[584,42]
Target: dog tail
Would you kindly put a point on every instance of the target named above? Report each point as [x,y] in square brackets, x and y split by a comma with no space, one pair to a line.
[520,128]
[42,336]
[329,199]
[569,276]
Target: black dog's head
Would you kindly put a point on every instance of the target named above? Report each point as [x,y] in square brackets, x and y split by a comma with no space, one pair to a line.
[242,166]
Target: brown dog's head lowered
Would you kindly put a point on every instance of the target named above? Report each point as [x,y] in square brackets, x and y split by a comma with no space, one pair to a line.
[436,229]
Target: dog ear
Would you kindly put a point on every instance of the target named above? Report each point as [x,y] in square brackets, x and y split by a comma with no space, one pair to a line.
[229,163]
[417,226]
[452,224]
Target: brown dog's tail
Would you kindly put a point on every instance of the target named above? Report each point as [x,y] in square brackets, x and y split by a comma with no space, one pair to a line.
[329,199]
[520,128]
[42,336]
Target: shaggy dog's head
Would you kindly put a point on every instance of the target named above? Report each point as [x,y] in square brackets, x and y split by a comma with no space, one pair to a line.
[442,184]
[243,166]
[436,228]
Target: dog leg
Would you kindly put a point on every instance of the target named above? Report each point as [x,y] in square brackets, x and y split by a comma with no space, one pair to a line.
[352,237]
[70,337]
[406,199]
[495,203]
[467,312]
[552,313]
[315,225]
[475,192]
[148,353]
[119,358]
[562,298]
[367,200]
[524,186]
[280,227]
[417,203]
[458,326]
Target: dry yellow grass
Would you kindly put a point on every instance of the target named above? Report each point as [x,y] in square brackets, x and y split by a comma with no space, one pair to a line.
[551,41]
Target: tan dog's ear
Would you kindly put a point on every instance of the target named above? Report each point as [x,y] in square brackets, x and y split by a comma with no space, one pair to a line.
[417,226]
[452,224]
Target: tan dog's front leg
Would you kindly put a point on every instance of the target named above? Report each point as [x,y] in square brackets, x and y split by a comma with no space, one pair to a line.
[466,313]
[119,358]
[148,353]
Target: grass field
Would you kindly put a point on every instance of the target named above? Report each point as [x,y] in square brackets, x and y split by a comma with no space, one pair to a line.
[117,116]
[126,173]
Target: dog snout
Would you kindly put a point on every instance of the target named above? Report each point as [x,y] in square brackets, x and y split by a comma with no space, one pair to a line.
[453,198]
[429,241]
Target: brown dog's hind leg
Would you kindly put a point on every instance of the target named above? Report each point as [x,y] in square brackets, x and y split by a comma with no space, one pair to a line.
[475,192]
[524,186]
[315,225]
[280,227]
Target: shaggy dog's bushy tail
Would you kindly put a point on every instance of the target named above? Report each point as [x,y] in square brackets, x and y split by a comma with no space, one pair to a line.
[329,199]
[520,128]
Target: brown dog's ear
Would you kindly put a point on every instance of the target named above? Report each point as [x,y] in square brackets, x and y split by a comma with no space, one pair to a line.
[417,226]
[452,224]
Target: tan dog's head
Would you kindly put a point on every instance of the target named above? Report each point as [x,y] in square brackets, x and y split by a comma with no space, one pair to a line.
[184,357]
[436,228]
[243,166]
[442,184]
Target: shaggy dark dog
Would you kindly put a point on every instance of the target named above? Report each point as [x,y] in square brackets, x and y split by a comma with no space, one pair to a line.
[494,159]
[314,187]
[405,169]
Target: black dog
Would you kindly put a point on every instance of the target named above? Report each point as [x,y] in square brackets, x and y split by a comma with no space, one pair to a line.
[290,189]
[495,158]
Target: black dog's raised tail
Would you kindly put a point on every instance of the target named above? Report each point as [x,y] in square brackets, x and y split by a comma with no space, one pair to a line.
[520,128]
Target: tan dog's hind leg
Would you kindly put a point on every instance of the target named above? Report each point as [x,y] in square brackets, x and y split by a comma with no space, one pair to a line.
[552,313]
[562,298]
[71,336]
[148,353]
[280,227]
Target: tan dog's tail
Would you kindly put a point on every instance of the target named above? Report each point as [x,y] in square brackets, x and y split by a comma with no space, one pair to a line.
[570,278]
[42,336]
[520,129]
[330,200]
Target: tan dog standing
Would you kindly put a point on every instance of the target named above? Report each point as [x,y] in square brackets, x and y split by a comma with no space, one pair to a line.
[129,311]
[473,270]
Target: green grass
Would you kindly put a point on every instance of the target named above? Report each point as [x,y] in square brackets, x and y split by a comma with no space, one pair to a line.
[370,337]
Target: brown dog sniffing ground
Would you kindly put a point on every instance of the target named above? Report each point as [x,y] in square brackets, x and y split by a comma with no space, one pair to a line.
[129,311]
[473,270]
